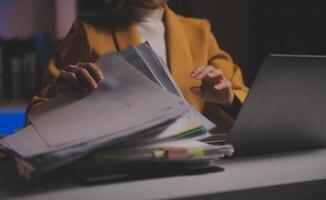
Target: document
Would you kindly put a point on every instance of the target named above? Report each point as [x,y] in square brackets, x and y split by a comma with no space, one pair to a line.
[160,72]
[27,143]
[138,107]
[125,102]
[133,56]
[159,69]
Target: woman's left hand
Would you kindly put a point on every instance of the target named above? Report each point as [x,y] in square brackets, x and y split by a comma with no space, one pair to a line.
[215,87]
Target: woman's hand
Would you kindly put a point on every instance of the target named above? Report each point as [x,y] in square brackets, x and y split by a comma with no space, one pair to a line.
[78,80]
[215,87]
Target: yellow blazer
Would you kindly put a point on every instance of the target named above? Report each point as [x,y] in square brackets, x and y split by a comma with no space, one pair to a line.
[190,43]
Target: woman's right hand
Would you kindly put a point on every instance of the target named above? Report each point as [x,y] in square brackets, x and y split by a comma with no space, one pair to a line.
[78,80]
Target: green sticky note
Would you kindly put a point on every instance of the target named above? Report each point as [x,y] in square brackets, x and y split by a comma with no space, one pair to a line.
[196,153]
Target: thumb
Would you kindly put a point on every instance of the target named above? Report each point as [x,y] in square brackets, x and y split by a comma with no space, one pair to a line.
[197,91]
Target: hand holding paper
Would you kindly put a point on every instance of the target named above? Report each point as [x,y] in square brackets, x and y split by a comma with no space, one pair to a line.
[78,80]
[129,100]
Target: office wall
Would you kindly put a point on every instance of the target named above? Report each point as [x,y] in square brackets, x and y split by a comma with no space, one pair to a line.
[230,20]
[65,14]
[22,18]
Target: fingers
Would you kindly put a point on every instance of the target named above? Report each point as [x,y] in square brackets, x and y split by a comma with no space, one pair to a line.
[78,80]
[207,72]
[197,71]
[84,76]
[71,78]
[225,92]
[224,84]
[216,73]
[215,86]
[95,72]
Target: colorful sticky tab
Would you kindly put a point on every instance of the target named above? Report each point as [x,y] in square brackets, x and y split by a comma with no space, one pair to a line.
[196,153]
[159,154]
[176,153]
[193,133]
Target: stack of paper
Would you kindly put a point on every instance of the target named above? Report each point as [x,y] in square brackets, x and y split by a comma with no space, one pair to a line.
[136,113]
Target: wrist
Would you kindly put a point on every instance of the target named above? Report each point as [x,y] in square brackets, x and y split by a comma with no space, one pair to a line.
[229,102]
[232,109]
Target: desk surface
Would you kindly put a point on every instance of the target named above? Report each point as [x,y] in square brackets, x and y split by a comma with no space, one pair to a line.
[241,174]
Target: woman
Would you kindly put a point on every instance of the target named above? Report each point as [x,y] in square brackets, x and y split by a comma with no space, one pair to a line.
[201,69]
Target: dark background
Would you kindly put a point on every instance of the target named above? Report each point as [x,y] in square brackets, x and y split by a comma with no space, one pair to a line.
[251,29]
[248,30]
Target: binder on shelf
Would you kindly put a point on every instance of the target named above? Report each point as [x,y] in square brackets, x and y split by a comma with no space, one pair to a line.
[22,65]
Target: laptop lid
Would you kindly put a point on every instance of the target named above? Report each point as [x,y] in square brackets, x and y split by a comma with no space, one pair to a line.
[285,109]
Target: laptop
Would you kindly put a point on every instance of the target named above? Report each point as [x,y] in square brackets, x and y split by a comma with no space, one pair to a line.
[285,109]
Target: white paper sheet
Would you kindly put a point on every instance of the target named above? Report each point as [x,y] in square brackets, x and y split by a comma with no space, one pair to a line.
[27,142]
[127,94]
[161,71]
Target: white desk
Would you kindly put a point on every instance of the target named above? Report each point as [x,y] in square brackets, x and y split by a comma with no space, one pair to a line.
[297,175]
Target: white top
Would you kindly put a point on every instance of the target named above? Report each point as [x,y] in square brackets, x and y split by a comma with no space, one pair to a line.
[151,28]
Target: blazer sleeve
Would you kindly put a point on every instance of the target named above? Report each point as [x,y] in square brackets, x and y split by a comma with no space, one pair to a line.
[74,48]
[220,59]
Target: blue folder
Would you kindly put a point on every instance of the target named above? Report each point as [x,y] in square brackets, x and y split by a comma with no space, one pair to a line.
[11,119]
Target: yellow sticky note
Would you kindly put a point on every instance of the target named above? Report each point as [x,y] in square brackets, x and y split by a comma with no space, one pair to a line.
[159,154]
